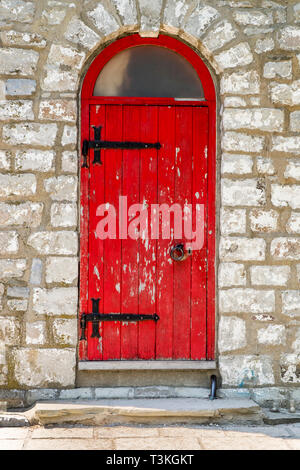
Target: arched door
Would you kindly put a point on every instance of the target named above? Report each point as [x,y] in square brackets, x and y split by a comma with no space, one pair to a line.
[147,204]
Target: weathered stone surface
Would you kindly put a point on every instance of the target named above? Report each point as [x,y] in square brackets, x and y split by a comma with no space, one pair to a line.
[233,221]
[248,192]
[241,83]
[255,100]
[16,110]
[265,166]
[272,335]
[286,144]
[285,195]
[278,69]
[61,269]
[296,343]
[253,17]
[18,61]
[293,224]
[264,45]
[44,367]
[27,213]
[63,215]
[199,20]
[234,102]
[65,56]
[292,169]
[284,93]
[19,292]
[62,188]
[127,11]
[236,56]
[257,30]
[103,20]
[69,135]
[30,134]
[289,38]
[285,248]
[54,243]
[78,33]
[17,305]
[270,275]
[9,242]
[242,249]
[65,331]
[295,121]
[54,110]
[10,268]
[296,11]
[265,119]
[54,15]
[238,142]
[238,164]
[232,334]
[2,288]
[290,366]
[263,221]
[57,301]
[5,159]
[36,332]
[150,17]
[58,80]
[221,34]
[239,300]
[246,370]
[279,11]
[16,38]
[20,86]
[16,10]
[35,160]
[17,185]
[174,13]
[36,272]
[69,162]
[291,303]
[2,90]
[231,274]
[9,331]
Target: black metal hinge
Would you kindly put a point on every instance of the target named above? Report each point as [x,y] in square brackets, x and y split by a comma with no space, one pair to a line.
[97,144]
[95,317]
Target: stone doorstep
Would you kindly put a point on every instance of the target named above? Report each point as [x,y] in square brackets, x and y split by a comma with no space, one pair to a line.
[280,417]
[145,411]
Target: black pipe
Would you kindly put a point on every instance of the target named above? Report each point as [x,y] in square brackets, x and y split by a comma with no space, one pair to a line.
[213,387]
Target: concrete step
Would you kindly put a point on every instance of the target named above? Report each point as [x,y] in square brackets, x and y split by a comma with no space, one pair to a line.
[156,411]
[281,417]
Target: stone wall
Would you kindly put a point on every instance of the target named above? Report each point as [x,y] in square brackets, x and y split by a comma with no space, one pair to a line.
[253,50]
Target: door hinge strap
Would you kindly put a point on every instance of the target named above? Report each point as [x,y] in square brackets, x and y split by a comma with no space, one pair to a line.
[99,144]
[97,317]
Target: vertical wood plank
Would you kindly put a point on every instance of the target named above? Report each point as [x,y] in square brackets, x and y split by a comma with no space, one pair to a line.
[130,247]
[96,252]
[165,268]
[147,261]
[112,247]
[199,257]
[182,269]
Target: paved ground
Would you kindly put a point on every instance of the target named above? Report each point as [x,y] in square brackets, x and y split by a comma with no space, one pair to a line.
[280,437]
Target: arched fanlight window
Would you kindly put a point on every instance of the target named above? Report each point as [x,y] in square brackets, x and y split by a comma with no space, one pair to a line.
[149,71]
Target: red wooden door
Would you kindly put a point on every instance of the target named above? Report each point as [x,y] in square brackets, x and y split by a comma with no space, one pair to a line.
[138,276]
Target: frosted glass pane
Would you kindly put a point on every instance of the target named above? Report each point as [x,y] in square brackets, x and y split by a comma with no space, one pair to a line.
[151,71]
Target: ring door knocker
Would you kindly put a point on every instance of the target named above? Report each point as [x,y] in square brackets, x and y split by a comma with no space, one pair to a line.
[178,252]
